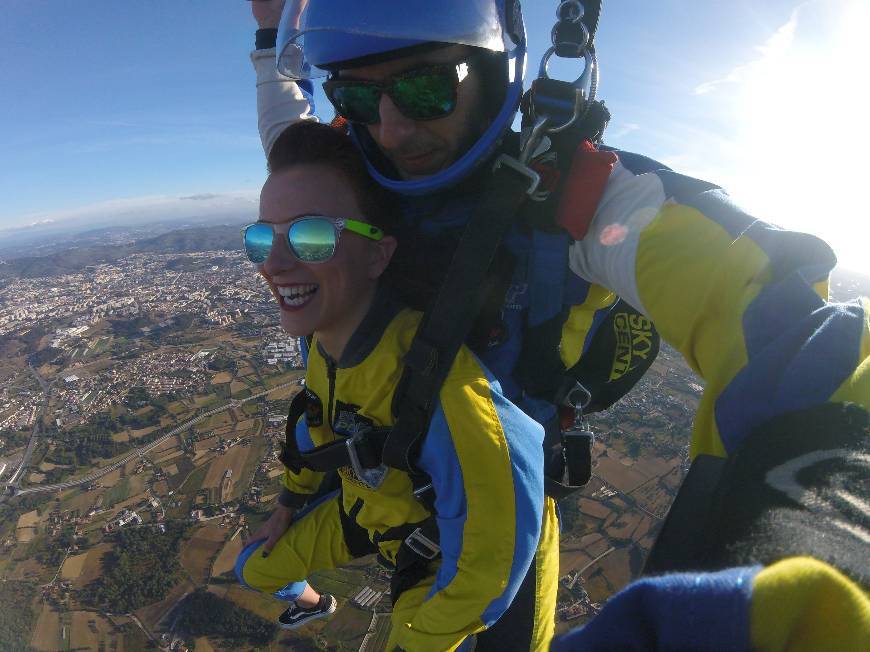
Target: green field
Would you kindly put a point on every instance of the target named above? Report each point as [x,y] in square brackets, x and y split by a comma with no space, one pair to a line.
[255,456]
[119,493]
[341,582]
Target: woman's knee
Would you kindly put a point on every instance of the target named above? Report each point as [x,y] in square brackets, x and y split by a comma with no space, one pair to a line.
[246,553]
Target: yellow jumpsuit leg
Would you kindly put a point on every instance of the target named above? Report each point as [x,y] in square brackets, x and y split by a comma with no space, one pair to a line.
[535,625]
[313,542]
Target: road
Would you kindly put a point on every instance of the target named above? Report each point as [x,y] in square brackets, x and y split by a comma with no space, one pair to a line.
[15,479]
[91,477]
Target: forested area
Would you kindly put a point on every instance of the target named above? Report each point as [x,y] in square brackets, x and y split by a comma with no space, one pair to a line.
[81,445]
[16,617]
[205,614]
[50,551]
[140,570]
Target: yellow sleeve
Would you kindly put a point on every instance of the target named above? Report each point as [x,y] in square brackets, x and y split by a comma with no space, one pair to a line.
[804,605]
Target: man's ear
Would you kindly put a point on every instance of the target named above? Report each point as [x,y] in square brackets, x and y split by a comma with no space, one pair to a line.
[382,253]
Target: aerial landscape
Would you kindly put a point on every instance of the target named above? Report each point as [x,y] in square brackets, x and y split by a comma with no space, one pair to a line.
[148,349]
[143,399]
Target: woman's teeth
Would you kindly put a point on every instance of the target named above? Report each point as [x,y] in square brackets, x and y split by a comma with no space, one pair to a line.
[296,295]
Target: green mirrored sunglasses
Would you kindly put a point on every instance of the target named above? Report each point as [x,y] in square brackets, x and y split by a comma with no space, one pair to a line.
[427,93]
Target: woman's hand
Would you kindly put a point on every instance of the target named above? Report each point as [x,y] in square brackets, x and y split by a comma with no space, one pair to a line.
[274,528]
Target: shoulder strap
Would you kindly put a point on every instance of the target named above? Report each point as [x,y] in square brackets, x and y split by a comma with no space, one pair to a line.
[447,323]
[290,456]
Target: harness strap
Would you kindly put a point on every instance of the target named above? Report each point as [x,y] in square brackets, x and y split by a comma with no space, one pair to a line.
[418,550]
[362,451]
[447,323]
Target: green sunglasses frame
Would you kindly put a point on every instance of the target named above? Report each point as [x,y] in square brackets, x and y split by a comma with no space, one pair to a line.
[338,224]
[448,70]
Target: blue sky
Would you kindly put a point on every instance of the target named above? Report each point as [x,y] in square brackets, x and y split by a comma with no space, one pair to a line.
[126,106]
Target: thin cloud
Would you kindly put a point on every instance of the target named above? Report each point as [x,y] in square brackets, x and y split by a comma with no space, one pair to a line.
[241,203]
[111,123]
[623,130]
[776,46]
[201,197]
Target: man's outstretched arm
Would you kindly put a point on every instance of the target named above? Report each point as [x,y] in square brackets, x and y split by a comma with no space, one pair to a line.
[743,301]
[280,100]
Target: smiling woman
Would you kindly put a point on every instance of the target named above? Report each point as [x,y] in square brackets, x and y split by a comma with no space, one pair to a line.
[320,239]
[458,559]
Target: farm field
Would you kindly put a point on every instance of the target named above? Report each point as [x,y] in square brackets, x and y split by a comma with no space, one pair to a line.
[47,633]
[93,566]
[25,530]
[226,558]
[198,552]
[233,459]
[73,566]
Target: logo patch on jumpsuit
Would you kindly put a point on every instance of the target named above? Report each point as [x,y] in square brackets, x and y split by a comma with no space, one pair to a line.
[313,409]
[633,340]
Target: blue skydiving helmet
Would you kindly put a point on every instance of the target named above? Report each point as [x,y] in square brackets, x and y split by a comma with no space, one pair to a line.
[317,37]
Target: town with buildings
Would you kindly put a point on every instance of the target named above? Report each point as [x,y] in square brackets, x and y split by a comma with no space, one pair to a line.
[142,407]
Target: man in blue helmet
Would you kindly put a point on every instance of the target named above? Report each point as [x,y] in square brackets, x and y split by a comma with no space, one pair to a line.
[430,92]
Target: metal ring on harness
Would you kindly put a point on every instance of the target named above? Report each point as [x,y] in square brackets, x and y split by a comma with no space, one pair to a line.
[583,51]
[580,104]
[578,402]
[570,11]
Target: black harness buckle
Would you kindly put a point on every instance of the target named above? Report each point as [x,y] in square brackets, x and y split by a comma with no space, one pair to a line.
[371,477]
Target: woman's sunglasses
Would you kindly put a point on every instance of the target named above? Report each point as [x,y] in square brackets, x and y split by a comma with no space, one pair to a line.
[312,239]
[423,94]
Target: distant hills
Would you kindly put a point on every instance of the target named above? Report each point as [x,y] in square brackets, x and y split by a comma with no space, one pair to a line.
[69,261]
[124,241]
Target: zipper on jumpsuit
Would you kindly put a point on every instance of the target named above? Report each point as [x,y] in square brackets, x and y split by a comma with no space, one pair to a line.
[330,374]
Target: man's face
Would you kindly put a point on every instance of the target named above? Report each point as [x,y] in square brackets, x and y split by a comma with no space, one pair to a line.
[422,148]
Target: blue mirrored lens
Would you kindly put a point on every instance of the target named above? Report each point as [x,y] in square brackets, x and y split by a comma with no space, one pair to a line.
[258,242]
[312,240]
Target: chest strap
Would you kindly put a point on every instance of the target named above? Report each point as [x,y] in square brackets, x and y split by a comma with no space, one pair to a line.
[362,451]
[448,322]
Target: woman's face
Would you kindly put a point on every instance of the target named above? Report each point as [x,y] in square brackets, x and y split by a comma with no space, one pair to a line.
[331,297]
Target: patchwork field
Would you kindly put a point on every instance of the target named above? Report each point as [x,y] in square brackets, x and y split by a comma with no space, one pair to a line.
[171,455]
[262,605]
[25,530]
[47,633]
[87,630]
[73,566]
[197,553]
[283,394]
[226,559]
[616,568]
[93,566]
[625,478]
[136,434]
[111,479]
[233,459]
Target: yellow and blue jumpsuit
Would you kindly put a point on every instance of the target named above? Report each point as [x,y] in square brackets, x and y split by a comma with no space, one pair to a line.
[746,304]
[498,532]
